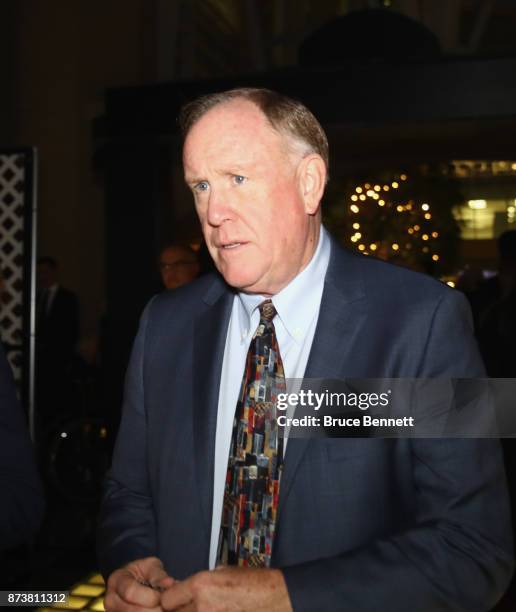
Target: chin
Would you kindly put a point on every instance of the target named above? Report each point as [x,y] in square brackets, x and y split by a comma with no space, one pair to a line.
[240,280]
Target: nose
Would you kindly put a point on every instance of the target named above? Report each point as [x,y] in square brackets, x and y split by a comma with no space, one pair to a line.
[219,207]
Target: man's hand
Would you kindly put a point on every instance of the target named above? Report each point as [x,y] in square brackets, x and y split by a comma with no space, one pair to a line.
[125,587]
[229,589]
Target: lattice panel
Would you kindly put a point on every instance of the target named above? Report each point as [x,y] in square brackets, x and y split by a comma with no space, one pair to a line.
[12,211]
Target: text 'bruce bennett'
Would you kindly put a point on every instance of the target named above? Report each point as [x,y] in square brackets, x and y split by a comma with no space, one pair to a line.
[330,421]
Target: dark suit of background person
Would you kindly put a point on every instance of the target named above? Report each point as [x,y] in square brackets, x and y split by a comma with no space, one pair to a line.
[58,330]
[57,334]
[21,497]
[364,524]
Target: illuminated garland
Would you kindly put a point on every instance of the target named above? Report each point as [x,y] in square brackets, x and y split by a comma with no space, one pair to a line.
[386,224]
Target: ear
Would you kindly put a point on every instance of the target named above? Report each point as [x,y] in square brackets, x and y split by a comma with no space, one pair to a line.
[312,181]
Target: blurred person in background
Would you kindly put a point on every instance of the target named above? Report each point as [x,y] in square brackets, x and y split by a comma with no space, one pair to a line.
[494,306]
[22,505]
[57,333]
[178,265]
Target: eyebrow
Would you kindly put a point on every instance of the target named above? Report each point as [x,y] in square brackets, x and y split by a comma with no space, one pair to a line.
[192,180]
[232,170]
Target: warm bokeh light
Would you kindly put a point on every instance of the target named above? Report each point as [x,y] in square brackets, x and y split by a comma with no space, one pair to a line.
[391,230]
[477,204]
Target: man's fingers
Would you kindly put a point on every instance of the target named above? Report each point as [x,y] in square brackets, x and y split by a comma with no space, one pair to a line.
[165,583]
[137,586]
[155,575]
[133,592]
[114,603]
[149,569]
[177,595]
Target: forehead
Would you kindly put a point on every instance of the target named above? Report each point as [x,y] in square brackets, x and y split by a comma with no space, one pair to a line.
[231,129]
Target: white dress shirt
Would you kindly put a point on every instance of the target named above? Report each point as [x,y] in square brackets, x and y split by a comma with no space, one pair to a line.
[51,296]
[297,306]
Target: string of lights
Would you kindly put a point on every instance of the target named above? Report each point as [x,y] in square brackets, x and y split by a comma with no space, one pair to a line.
[407,224]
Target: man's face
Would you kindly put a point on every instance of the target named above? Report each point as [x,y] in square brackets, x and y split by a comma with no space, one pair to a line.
[46,276]
[178,266]
[247,191]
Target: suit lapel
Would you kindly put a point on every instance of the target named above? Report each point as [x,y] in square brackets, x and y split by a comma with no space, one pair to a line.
[209,342]
[343,309]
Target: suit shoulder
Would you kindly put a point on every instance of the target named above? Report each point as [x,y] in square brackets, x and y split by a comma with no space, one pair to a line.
[391,283]
[187,300]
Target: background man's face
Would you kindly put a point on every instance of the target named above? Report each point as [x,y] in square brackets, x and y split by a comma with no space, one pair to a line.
[46,276]
[178,266]
[247,196]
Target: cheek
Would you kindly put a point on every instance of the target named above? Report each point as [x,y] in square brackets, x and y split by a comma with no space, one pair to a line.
[206,231]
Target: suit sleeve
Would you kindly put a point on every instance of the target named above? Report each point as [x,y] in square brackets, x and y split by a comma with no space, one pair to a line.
[457,556]
[126,527]
[21,510]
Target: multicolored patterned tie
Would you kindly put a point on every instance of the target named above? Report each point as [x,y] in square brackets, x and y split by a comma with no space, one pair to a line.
[256,454]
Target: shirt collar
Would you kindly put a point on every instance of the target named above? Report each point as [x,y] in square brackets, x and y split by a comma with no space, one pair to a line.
[298,302]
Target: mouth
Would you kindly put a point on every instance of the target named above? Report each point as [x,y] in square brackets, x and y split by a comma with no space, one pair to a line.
[229,246]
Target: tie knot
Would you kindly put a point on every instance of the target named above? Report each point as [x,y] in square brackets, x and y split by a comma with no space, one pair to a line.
[267,311]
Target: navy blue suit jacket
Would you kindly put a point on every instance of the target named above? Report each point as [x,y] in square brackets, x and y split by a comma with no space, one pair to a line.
[364,524]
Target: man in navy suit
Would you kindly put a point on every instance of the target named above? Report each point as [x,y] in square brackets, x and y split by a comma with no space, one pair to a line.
[363,524]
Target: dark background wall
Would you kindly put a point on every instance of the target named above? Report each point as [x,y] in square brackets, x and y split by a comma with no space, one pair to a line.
[57,59]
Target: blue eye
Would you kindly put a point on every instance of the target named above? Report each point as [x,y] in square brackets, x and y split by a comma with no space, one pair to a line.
[239,179]
[202,186]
